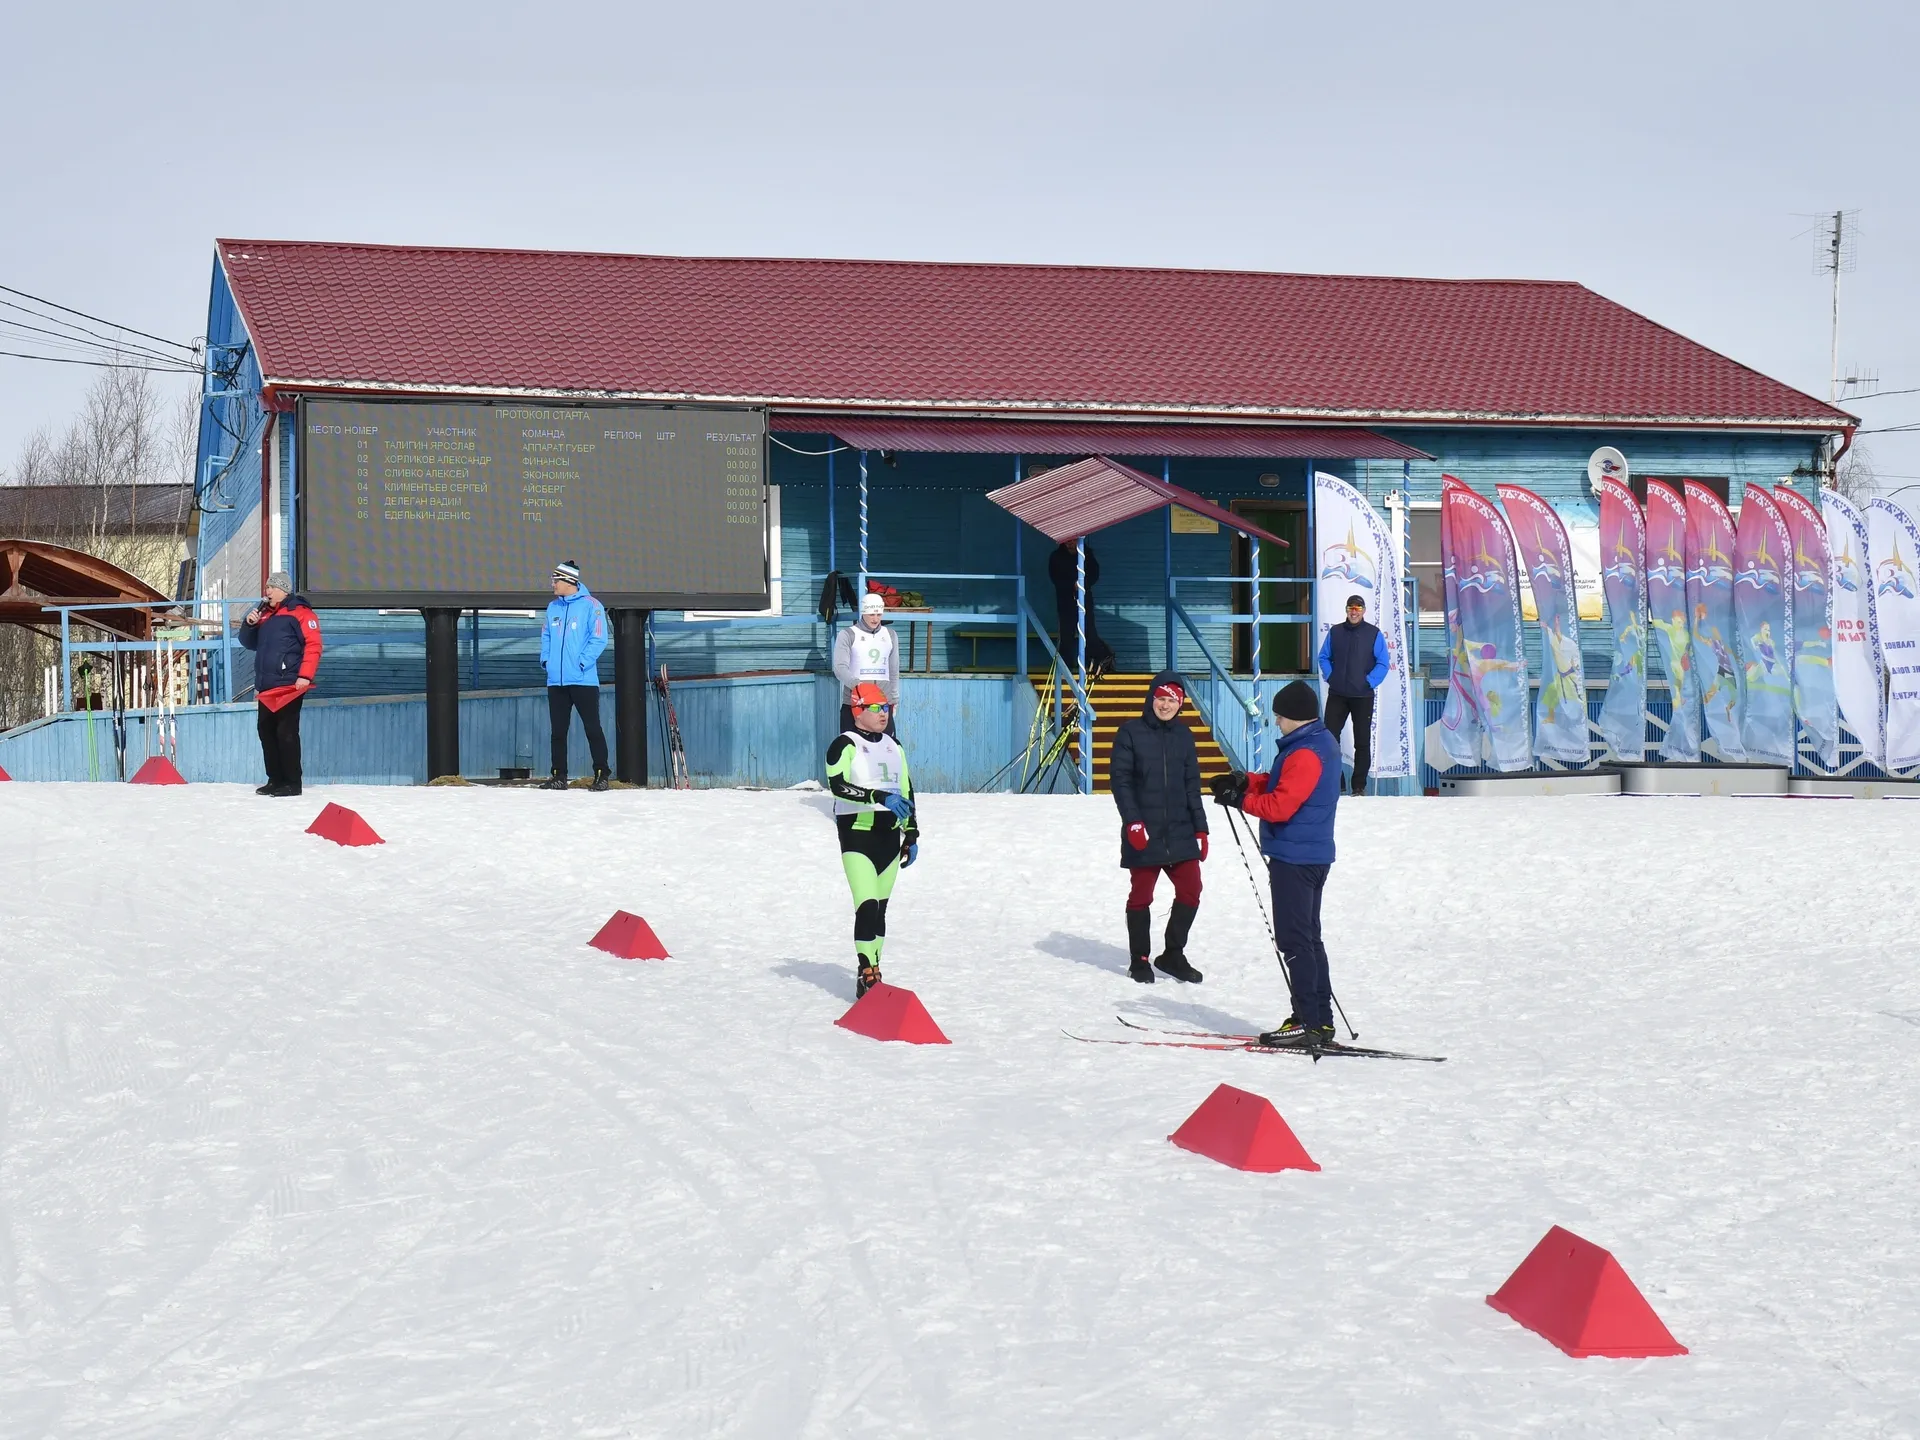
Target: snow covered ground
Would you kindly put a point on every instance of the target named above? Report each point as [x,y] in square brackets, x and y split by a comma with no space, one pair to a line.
[304,1141]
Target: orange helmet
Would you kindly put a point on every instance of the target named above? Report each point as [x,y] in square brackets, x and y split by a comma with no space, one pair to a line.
[865,694]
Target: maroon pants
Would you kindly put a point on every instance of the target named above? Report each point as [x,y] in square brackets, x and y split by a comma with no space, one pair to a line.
[1186,884]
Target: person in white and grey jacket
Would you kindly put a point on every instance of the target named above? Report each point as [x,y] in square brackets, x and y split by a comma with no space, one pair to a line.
[865,654]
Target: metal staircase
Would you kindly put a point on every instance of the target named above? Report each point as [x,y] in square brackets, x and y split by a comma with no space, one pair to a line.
[1118,698]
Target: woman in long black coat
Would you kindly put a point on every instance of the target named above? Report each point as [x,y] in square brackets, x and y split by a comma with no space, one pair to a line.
[1155,776]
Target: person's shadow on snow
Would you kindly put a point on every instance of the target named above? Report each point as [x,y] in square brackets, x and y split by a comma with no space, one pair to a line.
[836,980]
[1082,951]
[1146,1001]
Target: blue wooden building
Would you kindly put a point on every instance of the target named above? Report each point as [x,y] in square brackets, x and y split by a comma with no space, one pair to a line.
[898,397]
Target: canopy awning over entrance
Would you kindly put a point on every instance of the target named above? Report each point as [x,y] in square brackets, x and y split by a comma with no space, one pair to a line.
[1091,494]
[1070,437]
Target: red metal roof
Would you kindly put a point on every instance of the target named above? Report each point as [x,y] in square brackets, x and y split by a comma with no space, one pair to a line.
[1053,437]
[1039,339]
[1091,494]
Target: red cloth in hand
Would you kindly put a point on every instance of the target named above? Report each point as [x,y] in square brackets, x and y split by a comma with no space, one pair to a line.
[1137,835]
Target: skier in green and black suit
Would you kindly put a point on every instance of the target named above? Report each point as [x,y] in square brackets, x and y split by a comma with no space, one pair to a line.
[873,810]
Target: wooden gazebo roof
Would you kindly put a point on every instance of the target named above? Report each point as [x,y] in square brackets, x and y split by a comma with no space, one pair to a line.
[40,576]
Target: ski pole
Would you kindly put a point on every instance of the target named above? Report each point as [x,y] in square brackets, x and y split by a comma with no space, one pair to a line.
[1260,904]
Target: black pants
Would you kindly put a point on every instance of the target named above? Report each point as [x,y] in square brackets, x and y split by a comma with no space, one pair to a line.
[562,701]
[1296,926]
[1339,707]
[280,742]
[846,720]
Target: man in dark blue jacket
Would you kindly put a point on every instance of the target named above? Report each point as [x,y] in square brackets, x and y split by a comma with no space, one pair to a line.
[284,636]
[1353,662]
[1294,803]
[1154,773]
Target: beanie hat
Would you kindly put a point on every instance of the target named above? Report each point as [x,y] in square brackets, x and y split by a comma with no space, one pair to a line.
[1353,600]
[873,603]
[1297,702]
[567,570]
[280,580]
[1171,689]
[867,693]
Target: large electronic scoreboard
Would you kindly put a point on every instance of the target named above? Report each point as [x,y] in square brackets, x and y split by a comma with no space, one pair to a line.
[465,503]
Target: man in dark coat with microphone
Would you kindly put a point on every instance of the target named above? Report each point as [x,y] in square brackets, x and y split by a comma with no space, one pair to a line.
[1155,775]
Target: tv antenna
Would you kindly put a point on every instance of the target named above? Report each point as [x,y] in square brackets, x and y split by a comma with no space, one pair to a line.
[1837,253]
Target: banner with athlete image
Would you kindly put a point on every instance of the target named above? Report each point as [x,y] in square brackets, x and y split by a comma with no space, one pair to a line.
[1358,557]
[1623,550]
[1856,639]
[1488,654]
[1540,541]
[1893,543]
[1667,614]
[1459,725]
[1812,623]
[1710,606]
[1761,547]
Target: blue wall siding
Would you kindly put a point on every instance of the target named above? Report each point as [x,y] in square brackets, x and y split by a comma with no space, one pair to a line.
[229,427]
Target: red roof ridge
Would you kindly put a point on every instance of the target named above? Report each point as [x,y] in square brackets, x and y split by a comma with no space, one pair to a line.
[895,262]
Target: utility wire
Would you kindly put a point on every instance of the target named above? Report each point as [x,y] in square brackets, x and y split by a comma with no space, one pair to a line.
[64,340]
[38,300]
[103,364]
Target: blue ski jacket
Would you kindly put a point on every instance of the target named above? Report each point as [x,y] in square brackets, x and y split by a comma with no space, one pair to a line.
[1353,659]
[1295,801]
[572,639]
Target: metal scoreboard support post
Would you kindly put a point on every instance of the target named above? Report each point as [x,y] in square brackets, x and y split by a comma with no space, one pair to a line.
[443,691]
[630,695]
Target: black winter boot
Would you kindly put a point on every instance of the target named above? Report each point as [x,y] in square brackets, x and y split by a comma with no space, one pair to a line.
[601,779]
[556,781]
[1140,945]
[1174,961]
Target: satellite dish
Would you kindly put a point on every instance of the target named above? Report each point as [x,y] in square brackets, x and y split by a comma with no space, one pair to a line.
[1607,462]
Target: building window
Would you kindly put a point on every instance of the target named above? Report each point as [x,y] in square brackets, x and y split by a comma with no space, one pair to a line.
[1425,561]
[1720,485]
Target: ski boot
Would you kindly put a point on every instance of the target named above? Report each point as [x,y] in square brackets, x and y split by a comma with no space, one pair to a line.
[556,781]
[602,779]
[868,978]
[1292,1035]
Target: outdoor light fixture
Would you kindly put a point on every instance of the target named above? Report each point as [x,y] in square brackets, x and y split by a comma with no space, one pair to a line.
[1269,482]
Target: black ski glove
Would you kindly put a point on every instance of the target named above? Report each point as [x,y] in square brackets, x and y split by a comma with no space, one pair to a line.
[1229,789]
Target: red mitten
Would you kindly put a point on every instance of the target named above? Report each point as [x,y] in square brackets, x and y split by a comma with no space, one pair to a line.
[1137,835]
[1203,844]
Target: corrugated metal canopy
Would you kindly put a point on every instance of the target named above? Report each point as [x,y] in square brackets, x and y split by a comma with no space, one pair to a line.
[1091,494]
[1066,437]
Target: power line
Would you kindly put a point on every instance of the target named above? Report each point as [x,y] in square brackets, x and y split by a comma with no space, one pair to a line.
[38,300]
[64,340]
[105,364]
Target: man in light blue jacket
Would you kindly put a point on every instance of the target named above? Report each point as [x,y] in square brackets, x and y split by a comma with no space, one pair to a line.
[570,646]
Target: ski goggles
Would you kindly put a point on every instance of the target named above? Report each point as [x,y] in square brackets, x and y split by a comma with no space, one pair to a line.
[877,708]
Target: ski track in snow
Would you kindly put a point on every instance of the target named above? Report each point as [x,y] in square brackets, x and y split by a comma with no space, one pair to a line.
[305,1141]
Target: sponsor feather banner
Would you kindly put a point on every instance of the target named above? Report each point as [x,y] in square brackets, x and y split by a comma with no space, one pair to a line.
[1623,549]
[1488,654]
[1893,541]
[1856,639]
[1358,557]
[1540,541]
[1667,614]
[1761,550]
[1710,606]
[1813,700]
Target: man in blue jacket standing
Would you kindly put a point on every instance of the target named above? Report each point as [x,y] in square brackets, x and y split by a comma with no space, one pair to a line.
[1294,803]
[570,646]
[1353,662]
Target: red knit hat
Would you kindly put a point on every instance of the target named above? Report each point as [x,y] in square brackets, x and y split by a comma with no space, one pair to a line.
[1171,689]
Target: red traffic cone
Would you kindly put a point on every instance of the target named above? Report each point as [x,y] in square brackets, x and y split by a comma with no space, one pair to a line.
[1576,1295]
[1242,1130]
[343,827]
[886,1012]
[157,771]
[629,937]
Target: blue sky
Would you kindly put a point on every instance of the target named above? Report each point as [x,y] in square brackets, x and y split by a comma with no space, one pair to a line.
[1669,156]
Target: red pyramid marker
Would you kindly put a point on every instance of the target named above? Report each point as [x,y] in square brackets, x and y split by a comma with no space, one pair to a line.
[886,1012]
[343,827]
[1576,1295]
[1242,1130]
[629,937]
[157,771]
[4,775]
